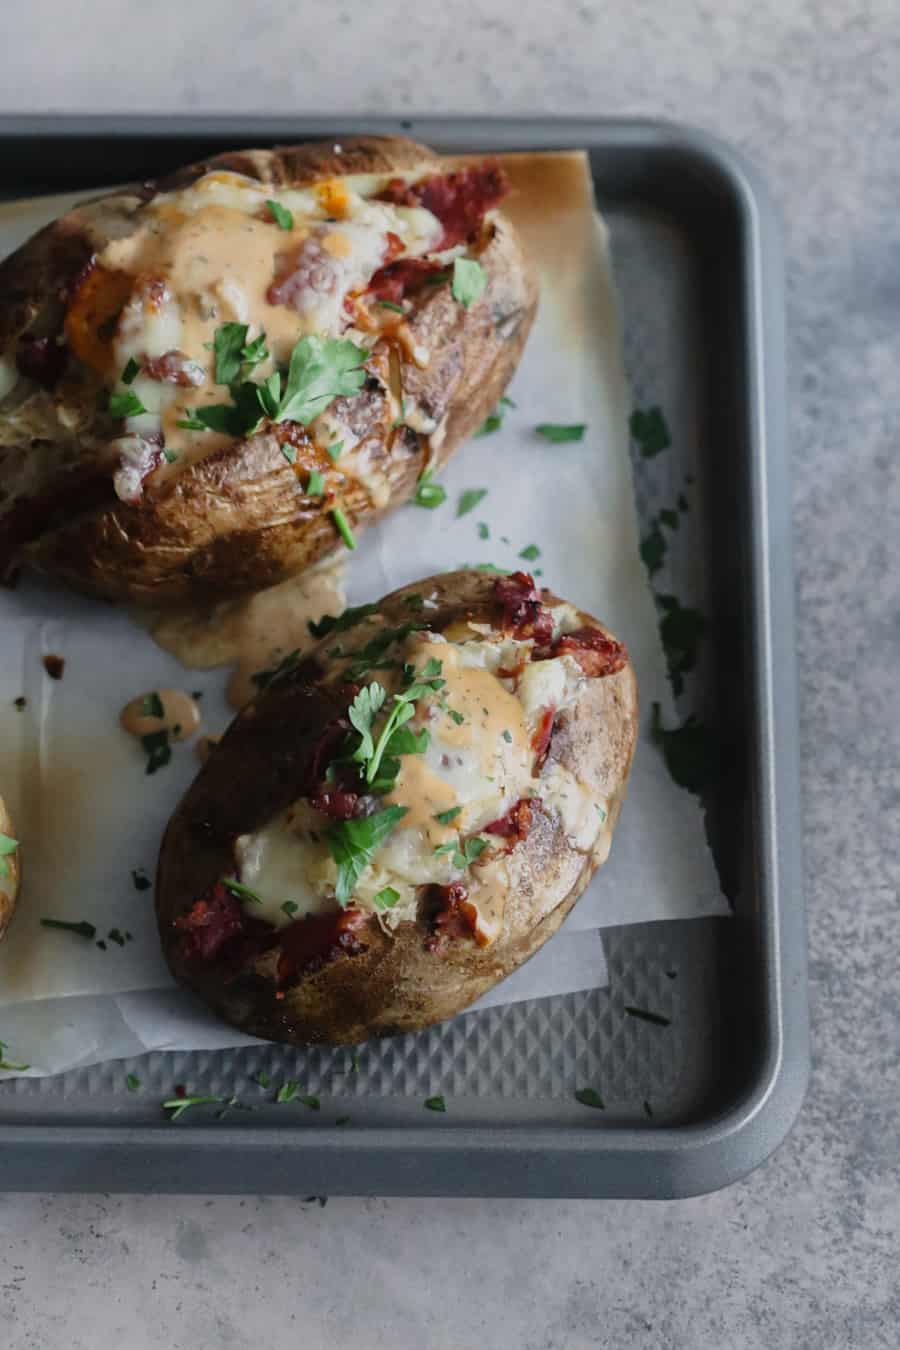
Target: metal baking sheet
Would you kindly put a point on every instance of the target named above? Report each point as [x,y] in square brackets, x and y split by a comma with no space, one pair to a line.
[689,1106]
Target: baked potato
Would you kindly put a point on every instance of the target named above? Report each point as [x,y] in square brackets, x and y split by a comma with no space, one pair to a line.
[9,869]
[403,815]
[208,381]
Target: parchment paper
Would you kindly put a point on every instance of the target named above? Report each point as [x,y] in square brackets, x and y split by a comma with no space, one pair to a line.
[86,812]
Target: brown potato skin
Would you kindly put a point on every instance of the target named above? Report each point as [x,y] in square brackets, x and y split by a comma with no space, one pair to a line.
[239,519]
[395,985]
[8,905]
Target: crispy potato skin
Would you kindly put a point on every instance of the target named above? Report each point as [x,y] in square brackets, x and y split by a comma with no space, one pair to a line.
[239,519]
[395,985]
[7,901]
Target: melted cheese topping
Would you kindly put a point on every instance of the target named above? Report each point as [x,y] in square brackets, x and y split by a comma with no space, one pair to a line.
[208,255]
[479,762]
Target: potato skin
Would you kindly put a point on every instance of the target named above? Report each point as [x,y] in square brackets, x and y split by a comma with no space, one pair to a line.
[9,895]
[239,519]
[395,985]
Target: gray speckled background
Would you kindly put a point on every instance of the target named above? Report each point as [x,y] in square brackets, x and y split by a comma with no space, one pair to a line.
[803,1253]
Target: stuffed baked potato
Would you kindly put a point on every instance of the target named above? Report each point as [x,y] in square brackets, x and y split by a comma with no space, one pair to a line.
[208,380]
[403,815]
[9,869]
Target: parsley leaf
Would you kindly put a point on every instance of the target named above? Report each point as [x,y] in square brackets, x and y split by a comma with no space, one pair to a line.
[445,817]
[333,451]
[457,716]
[389,304]
[288,1091]
[530,553]
[469,500]
[435,1104]
[558,432]
[281,215]
[132,1082]
[353,844]
[152,705]
[178,1105]
[132,369]
[362,712]
[159,752]
[82,929]
[469,281]
[386,898]
[242,892]
[140,879]
[464,853]
[483,530]
[588,1097]
[191,424]
[429,494]
[494,421]
[342,525]
[289,908]
[7,846]
[649,431]
[320,370]
[330,623]
[316,485]
[125,405]
[228,344]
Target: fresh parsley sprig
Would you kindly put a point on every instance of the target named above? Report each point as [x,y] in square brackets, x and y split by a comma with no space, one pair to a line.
[353,844]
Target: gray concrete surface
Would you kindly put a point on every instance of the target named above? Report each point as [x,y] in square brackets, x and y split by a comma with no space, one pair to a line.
[804,1253]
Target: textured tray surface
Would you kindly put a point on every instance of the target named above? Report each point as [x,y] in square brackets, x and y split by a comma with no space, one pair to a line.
[679,249]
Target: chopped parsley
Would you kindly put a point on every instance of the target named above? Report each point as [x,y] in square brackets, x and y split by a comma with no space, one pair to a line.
[649,431]
[132,1082]
[445,817]
[333,451]
[342,525]
[362,713]
[435,1104]
[669,518]
[8,1064]
[469,281]
[588,1097]
[125,405]
[457,716]
[178,1105]
[263,678]
[507,736]
[320,370]
[281,215]
[315,487]
[170,456]
[158,750]
[386,898]
[389,304]
[369,656]
[262,1079]
[429,494]
[559,432]
[414,601]
[233,356]
[132,369]
[644,1016]
[342,1120]
[353,844]
[289,908]
[240,891]
[20,703]
[464,853]
[494,421]
[530,553]
[288,1092]
[191,424]
[381,758]
[330,623]
[152,706]
[469,499]
[312,1102]
[82,929]
[7,846]
[483,530]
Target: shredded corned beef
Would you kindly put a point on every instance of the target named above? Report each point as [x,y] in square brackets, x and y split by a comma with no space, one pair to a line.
[516,824]
[407,276]
[452,916]
[524,615]
[211,924]
[597,654]
[41,359]
[313,942]
[459,200]
[173,368]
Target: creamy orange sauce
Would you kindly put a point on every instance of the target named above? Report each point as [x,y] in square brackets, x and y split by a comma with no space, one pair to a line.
[180,715]
[254,632]
[424,794]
